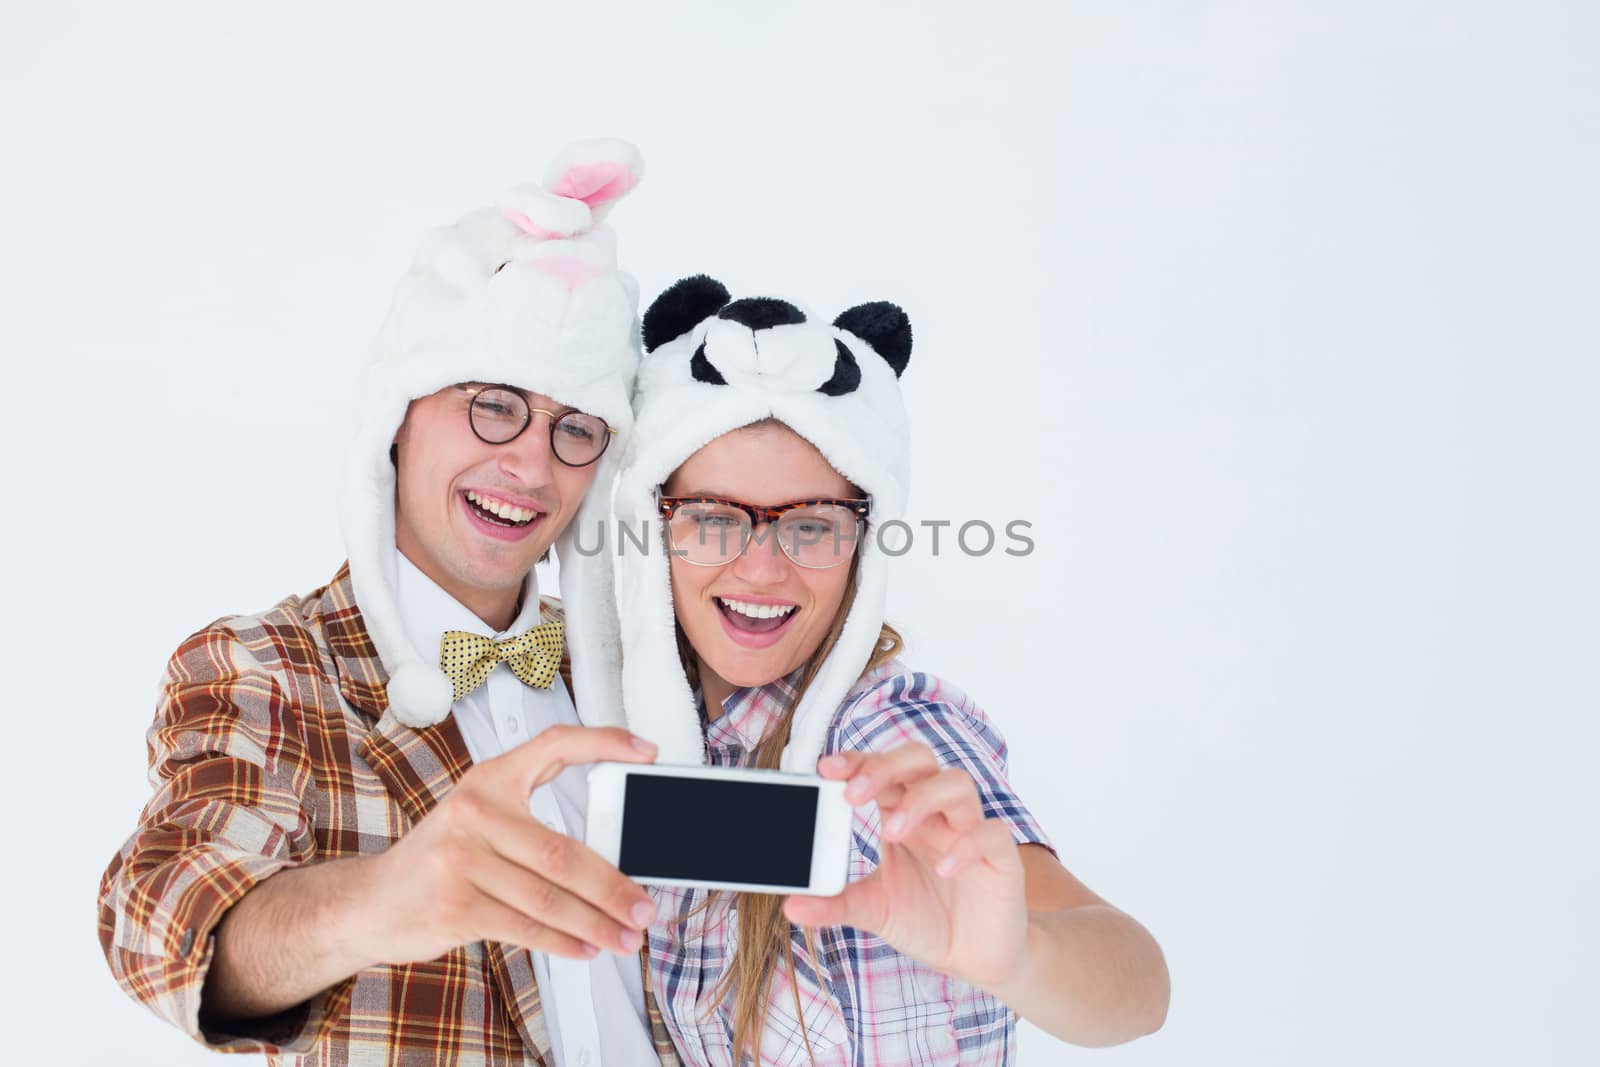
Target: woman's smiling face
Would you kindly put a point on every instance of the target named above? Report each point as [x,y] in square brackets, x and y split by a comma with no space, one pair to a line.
[766,464]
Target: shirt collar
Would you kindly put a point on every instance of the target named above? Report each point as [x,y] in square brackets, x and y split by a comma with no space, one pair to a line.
[427,611]
[749,713]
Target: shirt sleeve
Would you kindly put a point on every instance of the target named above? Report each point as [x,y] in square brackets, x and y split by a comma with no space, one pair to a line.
[229,809]
[904,708]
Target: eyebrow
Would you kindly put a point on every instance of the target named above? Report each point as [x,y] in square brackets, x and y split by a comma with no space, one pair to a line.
[735,500]
[561,409]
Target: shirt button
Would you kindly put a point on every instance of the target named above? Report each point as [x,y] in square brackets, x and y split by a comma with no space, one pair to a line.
[186,946]
[513,724]
[583,1057]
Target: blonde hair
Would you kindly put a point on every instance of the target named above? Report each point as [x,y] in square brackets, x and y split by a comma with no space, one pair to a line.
[764,934]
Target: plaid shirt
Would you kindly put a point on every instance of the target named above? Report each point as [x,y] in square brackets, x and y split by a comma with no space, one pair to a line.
[863,1004]
[271,749]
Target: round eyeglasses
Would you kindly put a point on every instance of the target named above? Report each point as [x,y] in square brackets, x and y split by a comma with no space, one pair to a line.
[499,414]
[708,532]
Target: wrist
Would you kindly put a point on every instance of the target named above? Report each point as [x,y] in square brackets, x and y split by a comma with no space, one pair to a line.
[352,916]
[1012,989]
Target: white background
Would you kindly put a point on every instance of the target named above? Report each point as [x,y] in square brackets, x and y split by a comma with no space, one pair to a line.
[1276,320]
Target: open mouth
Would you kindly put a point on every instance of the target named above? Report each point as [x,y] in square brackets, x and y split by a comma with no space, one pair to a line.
[751,618]
[498,512]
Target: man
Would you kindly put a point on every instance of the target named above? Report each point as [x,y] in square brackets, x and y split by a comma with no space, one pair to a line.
[339,863]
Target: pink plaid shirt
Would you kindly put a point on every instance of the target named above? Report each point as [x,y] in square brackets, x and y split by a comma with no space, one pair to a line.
[862,1003]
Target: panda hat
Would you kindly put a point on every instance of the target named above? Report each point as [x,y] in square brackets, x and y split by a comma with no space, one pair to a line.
[713,365]
[525,293]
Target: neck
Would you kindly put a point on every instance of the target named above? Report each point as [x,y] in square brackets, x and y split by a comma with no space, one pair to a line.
[495,608]
[496,614]
[715,689]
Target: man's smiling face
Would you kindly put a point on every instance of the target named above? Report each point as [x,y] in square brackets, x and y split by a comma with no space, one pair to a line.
[475,517]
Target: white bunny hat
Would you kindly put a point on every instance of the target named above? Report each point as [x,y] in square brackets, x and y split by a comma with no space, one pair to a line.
[526,293]
[714,365]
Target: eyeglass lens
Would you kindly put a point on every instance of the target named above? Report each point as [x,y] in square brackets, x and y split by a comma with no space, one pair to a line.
[500,415]
[822,535]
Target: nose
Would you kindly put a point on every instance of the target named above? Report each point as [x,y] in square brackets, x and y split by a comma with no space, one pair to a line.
[528,459]
[763,562]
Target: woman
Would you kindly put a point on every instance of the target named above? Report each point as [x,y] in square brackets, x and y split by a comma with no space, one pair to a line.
[767,447]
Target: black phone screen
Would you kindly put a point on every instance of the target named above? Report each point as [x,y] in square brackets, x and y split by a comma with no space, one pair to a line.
[717,830]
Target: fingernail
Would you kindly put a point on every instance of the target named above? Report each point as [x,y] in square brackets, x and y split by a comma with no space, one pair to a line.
[647,747]
[858,787]
[642,913]
[631,940]
[946,867]
[896,823]
[831,763]
[590,950]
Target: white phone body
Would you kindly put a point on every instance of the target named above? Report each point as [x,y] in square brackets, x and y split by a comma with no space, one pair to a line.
[721,827]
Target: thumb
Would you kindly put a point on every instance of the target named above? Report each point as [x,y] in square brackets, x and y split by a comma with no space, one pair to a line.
[538,761]
[862,905]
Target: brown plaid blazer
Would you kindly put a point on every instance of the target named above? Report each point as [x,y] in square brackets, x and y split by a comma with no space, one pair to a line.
[270,749]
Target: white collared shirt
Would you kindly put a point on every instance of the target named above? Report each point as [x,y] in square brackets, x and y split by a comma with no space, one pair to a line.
[494,718]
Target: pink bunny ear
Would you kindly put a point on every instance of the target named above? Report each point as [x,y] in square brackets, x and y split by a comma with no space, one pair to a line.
[597,173]
[540,213]
[597,183]
[522,222]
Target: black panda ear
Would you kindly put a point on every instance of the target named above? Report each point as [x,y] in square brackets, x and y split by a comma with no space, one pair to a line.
[681,308]
[883,326]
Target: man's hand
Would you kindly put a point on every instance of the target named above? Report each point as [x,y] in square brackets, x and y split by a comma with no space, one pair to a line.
[480,867]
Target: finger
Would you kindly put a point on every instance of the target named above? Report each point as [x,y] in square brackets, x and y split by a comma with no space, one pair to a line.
[862,905]
[931,838]
[551,906]
[896,767]
[889,797]
[950,793]
[539,760]
[571,865]
[991,842]
[494,920]
[840,765]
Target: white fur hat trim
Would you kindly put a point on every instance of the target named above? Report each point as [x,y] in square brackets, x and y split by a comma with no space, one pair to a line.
[525,293]
[718,374]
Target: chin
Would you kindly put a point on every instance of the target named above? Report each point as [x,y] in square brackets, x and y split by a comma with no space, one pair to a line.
[745,671]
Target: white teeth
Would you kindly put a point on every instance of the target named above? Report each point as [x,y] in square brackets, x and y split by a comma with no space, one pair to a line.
[506,511]
[756,611]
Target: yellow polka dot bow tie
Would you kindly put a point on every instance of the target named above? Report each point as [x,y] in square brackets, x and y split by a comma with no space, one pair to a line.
[467,658]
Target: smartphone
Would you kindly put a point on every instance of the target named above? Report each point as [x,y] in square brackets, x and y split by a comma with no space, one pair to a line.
[721,827]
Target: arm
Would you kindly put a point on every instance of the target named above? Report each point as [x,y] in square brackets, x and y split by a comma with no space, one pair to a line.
[479,867]
[954,890]
[228,812]
[286,941]
[218,907]
[1089,973]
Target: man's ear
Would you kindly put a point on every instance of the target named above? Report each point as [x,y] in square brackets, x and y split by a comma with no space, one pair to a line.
[400,435]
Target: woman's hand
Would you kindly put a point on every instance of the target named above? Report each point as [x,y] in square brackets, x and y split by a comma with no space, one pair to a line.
[949,890]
